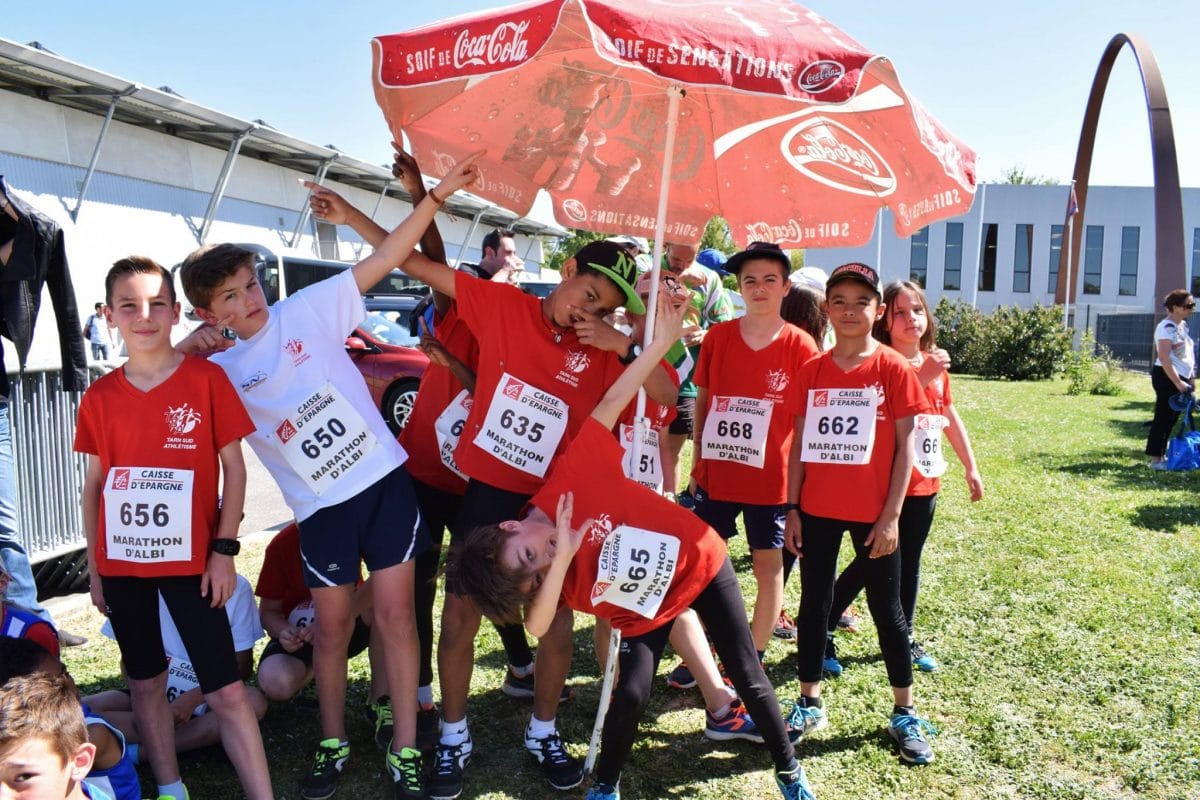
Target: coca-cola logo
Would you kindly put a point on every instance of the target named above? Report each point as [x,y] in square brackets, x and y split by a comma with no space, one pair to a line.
[505,44]
[820,76]
[833,155]
[789,231]
[575,210]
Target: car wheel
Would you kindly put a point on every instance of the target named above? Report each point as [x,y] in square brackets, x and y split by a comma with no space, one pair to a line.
[398,403]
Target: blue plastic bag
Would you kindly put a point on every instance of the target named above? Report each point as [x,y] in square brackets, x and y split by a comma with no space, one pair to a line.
[1183,449]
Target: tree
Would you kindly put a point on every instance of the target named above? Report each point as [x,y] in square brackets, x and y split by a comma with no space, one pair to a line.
[569,246]
[1016,175]
[716,235]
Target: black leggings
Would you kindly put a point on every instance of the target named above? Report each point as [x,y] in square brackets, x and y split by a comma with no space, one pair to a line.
[723,612]
[1164,415]
[818,568]
[916,518]
[439,509]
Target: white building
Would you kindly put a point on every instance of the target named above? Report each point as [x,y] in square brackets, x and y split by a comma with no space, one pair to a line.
[1012,259]
[127,169]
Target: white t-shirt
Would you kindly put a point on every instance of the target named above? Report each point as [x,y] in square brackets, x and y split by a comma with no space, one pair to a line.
[1183,353]
[243,621]
[316,423]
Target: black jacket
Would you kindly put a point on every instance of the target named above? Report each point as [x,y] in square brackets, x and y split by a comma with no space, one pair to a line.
[39,258]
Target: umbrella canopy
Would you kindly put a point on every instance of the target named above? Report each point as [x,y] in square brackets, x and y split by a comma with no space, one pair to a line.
[784,125]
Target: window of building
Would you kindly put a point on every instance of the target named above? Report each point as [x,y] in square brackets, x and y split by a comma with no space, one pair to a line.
[1195,262]
[1129,261]
[952,274]
[1056,246]
[987,258]
[918,258]
[1022,257]
[1093,259]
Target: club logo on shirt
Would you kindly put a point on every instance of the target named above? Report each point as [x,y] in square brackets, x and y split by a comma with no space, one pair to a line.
[253,380]
[777,380]
[120,481]
[183,419]
[295,349]
[285,431]
[820,398]
[879,410]
[513,389]
[601,527]
[577,361]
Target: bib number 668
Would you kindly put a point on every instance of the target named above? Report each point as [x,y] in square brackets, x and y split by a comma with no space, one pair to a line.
[735,430]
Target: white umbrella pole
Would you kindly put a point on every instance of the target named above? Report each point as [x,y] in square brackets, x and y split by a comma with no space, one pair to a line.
[640,423]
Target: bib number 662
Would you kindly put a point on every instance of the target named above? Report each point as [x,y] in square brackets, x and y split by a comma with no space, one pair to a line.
[520,426]
[142,514]
[322,438]
[838,426]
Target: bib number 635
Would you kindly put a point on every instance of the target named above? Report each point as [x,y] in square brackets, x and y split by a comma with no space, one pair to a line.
[520,425]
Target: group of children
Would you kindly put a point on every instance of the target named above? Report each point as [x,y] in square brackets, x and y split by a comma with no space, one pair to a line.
[515,447]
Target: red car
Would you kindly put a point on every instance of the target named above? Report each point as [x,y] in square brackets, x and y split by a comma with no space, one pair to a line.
[386,355]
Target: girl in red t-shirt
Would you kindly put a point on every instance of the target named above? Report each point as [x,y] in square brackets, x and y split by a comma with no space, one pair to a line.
[909,328]
[849,472]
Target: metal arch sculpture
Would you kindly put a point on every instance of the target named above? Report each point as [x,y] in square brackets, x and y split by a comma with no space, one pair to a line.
[1170,270]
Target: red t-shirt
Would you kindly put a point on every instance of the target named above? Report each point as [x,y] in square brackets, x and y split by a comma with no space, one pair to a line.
[282,575]
[150,444]
[937,396]
[591,468]
[547,368]
[856,492]
[660,416]
[729,368]
[438,388]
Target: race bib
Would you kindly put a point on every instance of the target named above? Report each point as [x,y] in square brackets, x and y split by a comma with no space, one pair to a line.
[324,439]
[181,678]
[148,514]
[648,469]
[449,426]
[635,569]
[302,615]
[736,429]
[523,426]
[839,426]
[930,459]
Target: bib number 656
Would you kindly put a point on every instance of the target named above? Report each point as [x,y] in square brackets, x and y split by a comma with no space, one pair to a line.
[141,515]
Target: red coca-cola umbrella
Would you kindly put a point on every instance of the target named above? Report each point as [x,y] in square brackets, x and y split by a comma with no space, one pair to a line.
[760,111]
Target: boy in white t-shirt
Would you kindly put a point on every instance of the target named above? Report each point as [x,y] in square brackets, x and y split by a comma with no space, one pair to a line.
[339,467]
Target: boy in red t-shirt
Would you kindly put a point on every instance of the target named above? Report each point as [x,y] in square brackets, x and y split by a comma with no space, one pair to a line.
[849,470]
[159,432]
[745,421]
[639,561]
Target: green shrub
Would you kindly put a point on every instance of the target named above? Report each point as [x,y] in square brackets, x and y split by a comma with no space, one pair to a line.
[1013,343]
[1092,369]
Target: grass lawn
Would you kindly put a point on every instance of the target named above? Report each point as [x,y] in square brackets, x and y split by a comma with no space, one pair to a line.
[1064,609]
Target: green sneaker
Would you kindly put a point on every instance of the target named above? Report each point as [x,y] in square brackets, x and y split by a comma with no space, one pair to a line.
[186,796]
[405,769]
[328,763]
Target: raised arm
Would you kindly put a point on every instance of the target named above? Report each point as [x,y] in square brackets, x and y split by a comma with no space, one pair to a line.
[397,249]
[667,325]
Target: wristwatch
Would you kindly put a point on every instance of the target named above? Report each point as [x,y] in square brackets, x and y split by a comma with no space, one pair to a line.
[635,350]
[791,507]
[226,547]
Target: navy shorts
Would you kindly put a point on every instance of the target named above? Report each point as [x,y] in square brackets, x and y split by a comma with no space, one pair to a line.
[380,525]
[133,610]
[764,524]
[685,415]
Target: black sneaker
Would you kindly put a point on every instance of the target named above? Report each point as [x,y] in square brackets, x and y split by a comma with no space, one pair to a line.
[522,688]
[561,770]
[446,782]
[405,769]
[322,779]
[379,714]
[428,725]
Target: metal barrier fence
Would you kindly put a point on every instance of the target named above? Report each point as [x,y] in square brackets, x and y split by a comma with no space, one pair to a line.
[49,473]
[1130,337]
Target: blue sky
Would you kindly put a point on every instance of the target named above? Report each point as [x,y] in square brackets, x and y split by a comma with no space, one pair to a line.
[1009,78]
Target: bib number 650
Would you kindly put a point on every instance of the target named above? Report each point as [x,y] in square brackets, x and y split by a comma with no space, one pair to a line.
[322,438]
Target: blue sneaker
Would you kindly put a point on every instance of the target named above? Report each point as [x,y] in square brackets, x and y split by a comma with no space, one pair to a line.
[681,677]
[794,784]
[922,660]
[804,720]
[829,664]
[604,791]
[909,732]
[736,724]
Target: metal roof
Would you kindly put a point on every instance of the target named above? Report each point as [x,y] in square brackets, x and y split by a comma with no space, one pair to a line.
[34,71]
